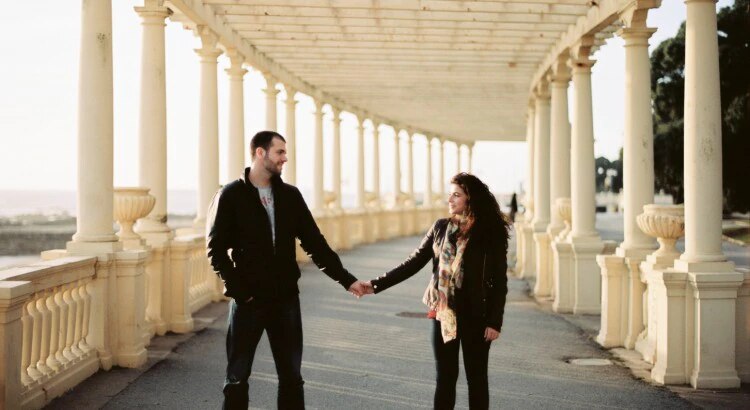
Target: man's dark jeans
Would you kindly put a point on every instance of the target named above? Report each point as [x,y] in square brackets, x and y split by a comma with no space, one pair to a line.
[470,337]
[283,322]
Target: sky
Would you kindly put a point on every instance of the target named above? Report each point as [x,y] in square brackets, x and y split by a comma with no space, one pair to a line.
[38,106]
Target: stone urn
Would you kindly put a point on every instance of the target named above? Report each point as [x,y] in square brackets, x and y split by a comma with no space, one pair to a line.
[131,204]
[666,223]
[565,210]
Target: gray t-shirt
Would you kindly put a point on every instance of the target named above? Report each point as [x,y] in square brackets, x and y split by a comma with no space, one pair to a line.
[266,198]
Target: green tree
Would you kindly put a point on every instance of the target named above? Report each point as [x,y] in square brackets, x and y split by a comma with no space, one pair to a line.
[668,86]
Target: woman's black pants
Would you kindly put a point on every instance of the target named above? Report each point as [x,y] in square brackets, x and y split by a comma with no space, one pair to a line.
[470,337]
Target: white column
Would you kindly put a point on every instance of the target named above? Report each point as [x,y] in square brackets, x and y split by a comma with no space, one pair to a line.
[543,285]
[711,276]
[152,149]
[428,175]
[318,156]
[562,281]
[529,197]
[458,157]
[208,138]
[95,132]
[271,93]
[559,142]
[525,240]
[360,162]
[337,155]
[410,156]
[471,157]
[584,237]
[376,161]
[290,170]
[703,179]
[396,166]
[441,168]
[638,168]
[236,146]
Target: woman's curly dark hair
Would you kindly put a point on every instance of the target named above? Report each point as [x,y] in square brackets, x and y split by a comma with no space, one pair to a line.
[485,220]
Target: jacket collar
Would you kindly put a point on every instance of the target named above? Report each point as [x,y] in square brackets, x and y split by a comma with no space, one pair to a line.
[275,180]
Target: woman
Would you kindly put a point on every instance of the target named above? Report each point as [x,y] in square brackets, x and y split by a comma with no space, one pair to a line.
[466,295]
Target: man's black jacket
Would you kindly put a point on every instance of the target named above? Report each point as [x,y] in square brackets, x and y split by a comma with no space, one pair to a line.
[242,252]
[485,281]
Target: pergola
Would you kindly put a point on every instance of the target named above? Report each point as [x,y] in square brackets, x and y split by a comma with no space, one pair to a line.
[459,71]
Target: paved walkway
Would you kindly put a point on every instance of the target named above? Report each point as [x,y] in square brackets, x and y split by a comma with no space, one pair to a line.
[363,354]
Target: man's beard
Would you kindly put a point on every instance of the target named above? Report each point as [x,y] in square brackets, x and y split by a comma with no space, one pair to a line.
[271,167]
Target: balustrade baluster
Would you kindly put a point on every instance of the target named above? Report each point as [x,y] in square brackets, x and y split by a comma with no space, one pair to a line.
[86,297]
[70,324]
[54,332]
[78,306]
[41,307]
[27,325]
[62,328]
[36,337]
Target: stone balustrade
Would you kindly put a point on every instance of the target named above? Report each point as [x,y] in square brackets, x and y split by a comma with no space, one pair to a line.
[66,317]
[47,342]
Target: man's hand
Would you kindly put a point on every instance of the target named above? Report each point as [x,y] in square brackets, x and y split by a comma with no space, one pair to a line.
[357,288]
[490,334]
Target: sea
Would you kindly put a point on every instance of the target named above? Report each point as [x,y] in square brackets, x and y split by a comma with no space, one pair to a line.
[63,203]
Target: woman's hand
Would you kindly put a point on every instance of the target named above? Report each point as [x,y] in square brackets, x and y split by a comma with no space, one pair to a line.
[490,334]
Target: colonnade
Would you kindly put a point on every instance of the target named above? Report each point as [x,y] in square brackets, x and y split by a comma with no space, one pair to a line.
[653,301]
[95,136]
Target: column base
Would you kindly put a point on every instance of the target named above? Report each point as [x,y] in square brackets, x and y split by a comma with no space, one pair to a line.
[529,257]
[713,325]
[635,293]
[614,300]
[132,359]
[92,248]
[543,286]
[182,325]
[587,276]
[562,270]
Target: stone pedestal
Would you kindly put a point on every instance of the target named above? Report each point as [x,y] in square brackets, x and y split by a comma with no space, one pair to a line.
[614,300]
[563,271]
[543,285]
[587,276]
[713,353]
[131,307]
[670,288]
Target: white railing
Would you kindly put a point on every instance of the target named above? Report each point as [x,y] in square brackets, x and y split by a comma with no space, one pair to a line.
[52,353]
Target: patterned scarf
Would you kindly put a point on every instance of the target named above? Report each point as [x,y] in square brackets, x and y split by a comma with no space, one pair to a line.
[439,296]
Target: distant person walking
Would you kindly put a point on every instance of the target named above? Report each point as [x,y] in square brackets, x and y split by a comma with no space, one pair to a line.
[513,207]
[467,289]
[251,230]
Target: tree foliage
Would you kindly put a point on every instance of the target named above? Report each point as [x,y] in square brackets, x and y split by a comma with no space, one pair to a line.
[668,87]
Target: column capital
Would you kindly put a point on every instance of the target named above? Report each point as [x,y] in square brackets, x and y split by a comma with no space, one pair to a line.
[236,59]
[291,92]
[559,74]
[153,12]
[271,82]
[336,113]
[636,13]
[208,51]
[319,105]
[582,49]
[541,91]
[636,36]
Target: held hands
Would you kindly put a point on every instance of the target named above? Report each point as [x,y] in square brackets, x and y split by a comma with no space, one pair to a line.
[490,334]
[361,288]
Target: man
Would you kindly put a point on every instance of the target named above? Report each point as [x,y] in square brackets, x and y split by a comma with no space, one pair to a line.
[251,229]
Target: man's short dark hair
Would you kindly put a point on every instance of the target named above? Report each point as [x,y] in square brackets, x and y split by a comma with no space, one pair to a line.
[263,139]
